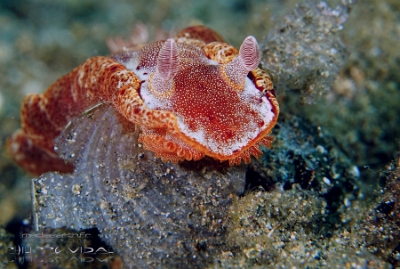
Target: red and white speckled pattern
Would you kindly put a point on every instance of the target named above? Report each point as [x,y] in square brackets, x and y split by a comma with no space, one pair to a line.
[187,95]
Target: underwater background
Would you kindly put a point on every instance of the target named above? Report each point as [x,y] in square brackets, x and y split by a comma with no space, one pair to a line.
[325,195]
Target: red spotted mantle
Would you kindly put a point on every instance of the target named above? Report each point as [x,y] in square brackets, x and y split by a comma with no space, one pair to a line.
[192,96]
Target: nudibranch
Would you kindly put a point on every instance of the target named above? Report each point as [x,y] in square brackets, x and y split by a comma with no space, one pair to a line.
[192,96]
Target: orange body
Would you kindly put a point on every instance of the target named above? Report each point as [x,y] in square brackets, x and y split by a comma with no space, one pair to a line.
[184,93]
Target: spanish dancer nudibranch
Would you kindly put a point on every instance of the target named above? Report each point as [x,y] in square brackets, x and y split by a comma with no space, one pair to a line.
[192,96]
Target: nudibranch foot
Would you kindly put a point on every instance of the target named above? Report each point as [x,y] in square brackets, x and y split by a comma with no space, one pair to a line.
[191,96]
[168,148]
[43,116]
[35,158]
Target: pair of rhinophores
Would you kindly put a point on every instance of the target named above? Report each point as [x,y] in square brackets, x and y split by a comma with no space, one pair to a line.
[192,96]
